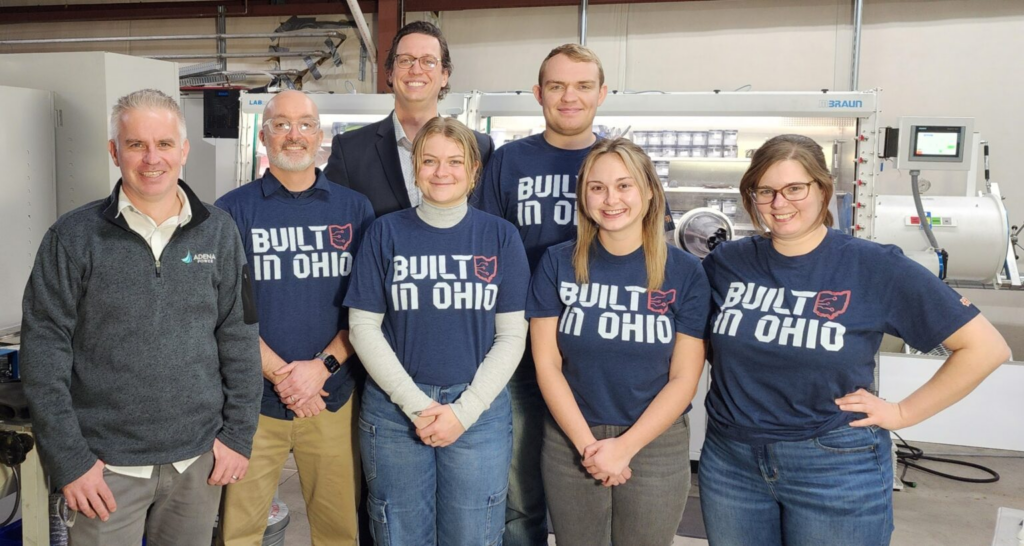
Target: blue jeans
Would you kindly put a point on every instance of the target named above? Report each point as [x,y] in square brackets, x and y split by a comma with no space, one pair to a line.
[424,496]
[835,489]
[526,514]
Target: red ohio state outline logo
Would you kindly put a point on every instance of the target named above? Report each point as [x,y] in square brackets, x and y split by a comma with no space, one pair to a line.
[341,236]
[485,267]
[831,304]
[658,301]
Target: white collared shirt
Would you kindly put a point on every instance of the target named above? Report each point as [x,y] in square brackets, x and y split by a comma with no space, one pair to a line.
[156,237]
[405,157]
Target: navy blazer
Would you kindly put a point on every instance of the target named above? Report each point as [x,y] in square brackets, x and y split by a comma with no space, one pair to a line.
[366,160]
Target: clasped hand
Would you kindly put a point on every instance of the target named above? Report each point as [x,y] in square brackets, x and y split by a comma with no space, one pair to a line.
[437,426]
[301,388]
[608,461]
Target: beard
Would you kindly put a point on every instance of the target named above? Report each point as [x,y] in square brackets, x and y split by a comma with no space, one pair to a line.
[280,159]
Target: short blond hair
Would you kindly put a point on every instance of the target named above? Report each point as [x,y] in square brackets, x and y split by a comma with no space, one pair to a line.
[454,130]
[576,53]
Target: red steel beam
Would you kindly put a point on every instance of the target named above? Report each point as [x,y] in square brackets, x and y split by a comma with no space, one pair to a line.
[459,5]
[388,19]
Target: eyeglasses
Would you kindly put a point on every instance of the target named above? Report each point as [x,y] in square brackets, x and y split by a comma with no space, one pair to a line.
[278,127]
[797,191]
[427,62]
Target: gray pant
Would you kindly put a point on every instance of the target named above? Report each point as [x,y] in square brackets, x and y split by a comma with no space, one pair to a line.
[171,508]
[645,511]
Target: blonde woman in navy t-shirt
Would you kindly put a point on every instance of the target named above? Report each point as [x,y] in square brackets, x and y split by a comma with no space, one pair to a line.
[617,326]
[436,315]
[797,449]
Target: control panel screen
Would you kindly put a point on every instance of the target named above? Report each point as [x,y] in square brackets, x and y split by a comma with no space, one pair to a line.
[937,142]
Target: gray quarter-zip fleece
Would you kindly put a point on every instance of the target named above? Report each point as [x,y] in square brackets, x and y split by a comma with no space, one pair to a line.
[135,361]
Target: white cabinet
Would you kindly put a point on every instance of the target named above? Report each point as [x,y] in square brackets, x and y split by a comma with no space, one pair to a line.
[85,86]
[27,191]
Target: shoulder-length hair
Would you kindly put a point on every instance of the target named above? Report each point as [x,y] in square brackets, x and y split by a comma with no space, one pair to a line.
[453,129]
[642,170]
[799,148]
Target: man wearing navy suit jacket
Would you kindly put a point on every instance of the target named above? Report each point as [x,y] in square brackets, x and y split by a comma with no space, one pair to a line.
[376,160]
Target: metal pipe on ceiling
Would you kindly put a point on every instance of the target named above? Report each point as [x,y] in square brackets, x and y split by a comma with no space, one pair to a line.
[265,55]
[583,22]
[271,35]
[858,10]
[190,9]
[222,43]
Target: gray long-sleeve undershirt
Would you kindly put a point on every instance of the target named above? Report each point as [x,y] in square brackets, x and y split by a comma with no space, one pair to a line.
[387,371]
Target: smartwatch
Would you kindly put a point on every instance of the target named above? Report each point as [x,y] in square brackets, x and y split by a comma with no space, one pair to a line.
[329,361]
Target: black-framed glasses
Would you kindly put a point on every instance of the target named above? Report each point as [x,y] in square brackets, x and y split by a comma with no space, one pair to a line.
[797,191]
[427,62]
[281,126]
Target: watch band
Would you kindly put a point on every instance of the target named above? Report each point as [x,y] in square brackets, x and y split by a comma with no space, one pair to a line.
[329,361]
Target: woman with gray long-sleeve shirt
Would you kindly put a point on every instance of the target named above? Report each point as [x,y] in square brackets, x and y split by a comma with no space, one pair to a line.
[436,303]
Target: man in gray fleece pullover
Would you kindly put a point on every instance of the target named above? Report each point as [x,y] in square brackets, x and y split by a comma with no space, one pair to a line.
[141,359]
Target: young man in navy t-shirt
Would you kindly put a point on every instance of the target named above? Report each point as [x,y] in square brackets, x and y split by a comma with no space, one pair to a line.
[300,234]
[532,183]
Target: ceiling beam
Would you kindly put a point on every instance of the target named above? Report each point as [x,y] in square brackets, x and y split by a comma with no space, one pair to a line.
[191,9]
[173,10]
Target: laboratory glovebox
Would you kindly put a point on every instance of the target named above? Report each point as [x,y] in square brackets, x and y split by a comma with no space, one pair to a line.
[701,143]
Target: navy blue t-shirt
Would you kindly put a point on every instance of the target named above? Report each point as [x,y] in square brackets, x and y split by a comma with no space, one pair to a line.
[439,289]
[533,185]
[616,338]
[300,253]
[789,335]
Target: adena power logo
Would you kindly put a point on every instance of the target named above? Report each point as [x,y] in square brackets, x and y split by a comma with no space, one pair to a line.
[200,258]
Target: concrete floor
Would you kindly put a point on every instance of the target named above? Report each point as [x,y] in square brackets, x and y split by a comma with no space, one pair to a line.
[937,512]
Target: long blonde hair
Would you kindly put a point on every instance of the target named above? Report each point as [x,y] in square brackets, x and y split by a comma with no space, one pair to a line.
[653,230]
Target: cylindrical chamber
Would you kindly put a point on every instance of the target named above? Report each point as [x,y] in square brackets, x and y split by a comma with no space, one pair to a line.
[972,230]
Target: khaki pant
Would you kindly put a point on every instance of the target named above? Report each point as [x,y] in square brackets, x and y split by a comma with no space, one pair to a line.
[172,509]
[324,450]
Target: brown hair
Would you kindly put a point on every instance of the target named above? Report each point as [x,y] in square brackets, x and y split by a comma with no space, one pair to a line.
[574,52]
[642,171]
[799,148]
[429,29]
[452,129]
